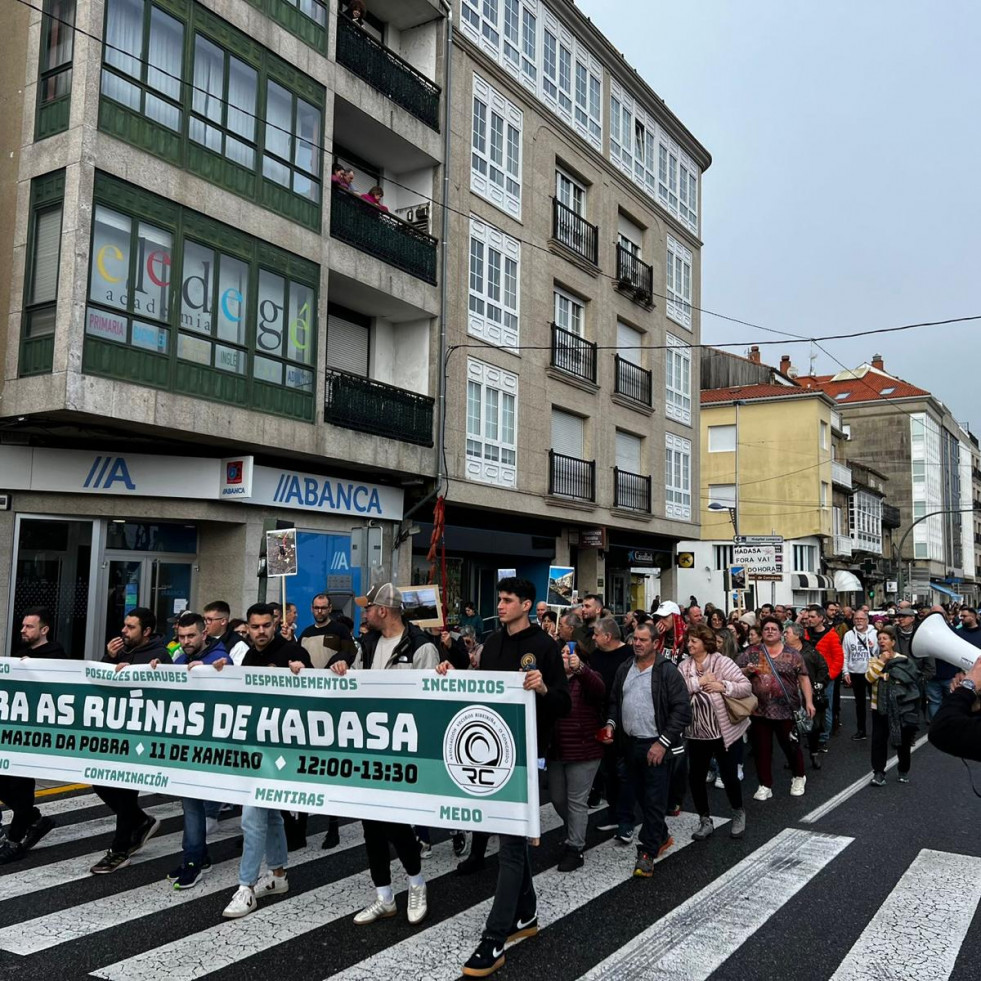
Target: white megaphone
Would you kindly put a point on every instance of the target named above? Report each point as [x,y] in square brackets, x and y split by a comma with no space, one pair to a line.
[933,638]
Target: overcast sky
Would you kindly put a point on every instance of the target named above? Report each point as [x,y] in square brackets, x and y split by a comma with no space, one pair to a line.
[844,190]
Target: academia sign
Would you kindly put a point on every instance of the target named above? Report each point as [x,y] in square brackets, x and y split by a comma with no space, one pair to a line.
[457,751]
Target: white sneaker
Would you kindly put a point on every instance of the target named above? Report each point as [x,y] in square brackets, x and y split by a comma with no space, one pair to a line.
[709,777]
[210,827]
[271,885]
[740,771]
[719,784]
[417,904]
[764,793]
[243,902]
[797,786]
[378,910]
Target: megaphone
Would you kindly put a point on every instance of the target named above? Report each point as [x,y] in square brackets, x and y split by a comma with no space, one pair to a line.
[933,638]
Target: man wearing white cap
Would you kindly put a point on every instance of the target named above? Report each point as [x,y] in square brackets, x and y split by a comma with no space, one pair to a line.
[391,644]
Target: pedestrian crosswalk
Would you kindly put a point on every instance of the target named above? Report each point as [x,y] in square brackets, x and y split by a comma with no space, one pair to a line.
[59,922]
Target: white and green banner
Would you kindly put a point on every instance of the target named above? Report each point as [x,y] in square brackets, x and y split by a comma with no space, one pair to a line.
[408,746]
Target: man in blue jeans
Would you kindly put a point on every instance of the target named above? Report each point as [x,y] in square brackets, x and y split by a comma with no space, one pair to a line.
[518,646]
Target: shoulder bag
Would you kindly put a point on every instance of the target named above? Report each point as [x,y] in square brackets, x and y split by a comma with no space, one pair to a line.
[803,723]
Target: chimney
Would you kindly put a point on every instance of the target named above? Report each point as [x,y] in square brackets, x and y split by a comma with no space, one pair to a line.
[754,354]
[784,364]
[878,363]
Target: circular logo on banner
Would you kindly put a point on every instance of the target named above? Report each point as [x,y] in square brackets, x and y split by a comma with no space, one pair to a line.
[478,751]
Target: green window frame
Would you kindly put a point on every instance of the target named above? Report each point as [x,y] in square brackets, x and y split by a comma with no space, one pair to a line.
[41,274]
[188,87]
[54,70]
[179,301]
[307,19]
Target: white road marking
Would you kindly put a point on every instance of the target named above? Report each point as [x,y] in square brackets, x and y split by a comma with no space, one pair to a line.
[438,954]
[919,929]
[63,833]
[860,784]
[695,938]
[28,937]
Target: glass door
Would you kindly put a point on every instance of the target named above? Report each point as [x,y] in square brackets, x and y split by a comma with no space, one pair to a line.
[164,585]
[124,589]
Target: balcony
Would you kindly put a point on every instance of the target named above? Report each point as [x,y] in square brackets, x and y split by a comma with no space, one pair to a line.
[382,235]
[575,232]
[631,491]
[841,475]
[635,277]
[387,72]
[573,354]
[382,410]
[842,545]
[632,381]
[571,477]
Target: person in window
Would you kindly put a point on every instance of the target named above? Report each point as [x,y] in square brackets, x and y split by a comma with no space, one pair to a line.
[355,9]
[374,196]
[341,177]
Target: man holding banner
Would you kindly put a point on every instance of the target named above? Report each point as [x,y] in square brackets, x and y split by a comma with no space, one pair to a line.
[518,646]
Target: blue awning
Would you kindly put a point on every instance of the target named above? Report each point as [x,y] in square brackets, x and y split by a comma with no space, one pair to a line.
[946,590]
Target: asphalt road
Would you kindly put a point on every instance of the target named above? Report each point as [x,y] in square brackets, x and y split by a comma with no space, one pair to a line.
[885,884]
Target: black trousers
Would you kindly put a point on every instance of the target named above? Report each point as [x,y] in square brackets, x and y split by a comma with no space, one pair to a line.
[700,753]
[860,689]
[18,794]
[377,836]
[880,743]
[124,803]
[514,899]
[651,786]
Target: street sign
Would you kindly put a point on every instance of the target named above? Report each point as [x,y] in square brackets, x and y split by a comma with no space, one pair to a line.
[766,576]
[759,559]
[757,540]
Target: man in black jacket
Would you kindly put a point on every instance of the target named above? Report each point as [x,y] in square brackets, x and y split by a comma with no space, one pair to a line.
[518,646]
[27,826]
[138,643]
[649,710]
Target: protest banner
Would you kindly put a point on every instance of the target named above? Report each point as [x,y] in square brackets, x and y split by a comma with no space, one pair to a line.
[456,751]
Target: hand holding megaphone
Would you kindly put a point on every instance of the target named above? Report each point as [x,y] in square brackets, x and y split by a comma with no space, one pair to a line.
[934,638]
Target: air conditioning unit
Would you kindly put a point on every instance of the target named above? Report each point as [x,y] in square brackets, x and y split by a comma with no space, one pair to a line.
[417,216]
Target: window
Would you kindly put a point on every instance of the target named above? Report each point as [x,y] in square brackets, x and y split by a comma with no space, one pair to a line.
[528,40]
[677,477]
[495,161]
[677,381]
[643,150]
[253,123]
[55,67]
[678,269]
[177,300]
[307,19]
[492,398]
[722,557]
[824,493]
[628,452]
[721,439]
[570,313]
[568,434]
[823,426]
[724,494]
[805,558]
[570,192]
[630,343]
[348,335]
[494,271]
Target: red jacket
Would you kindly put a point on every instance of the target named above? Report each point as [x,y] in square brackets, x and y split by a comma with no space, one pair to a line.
[574,739]
[828,645]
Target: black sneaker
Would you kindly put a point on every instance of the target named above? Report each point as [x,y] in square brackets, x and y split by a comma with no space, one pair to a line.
[460,844]
[878,779]
[571,859]
[858,737]
[486,959]
[191,875]
[110,862]
[470,865]
[11,851]
[332,839]
[594,799]
[524,926]
[37,831]
[173,876]
[644,867]
[144,833]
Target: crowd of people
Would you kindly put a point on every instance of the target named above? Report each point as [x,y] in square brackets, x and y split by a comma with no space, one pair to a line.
[632,713]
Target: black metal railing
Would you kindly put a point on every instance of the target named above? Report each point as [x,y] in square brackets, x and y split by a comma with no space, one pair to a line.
[385,71]
[635,276]
[373,407]
[571,477]
[631,490]
[573,353]
[632,381]
[382,234]
[574,231]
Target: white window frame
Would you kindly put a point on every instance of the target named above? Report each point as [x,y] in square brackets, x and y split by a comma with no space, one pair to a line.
[805,558]
[678,282]
[677,477]
[490,457]
[677,380]
[824,434]
[722,557]
[570,192]
[722,439]
[636,443]
[570,312]
[495,148]
[494,285]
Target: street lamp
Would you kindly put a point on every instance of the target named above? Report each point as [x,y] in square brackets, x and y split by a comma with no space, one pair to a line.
[902,541]
[733,514]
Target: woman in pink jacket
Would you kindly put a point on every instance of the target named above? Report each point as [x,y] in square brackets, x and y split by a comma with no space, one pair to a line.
[709,675]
